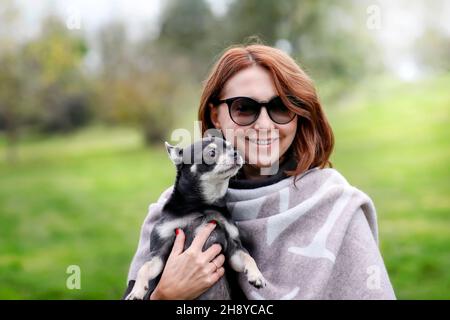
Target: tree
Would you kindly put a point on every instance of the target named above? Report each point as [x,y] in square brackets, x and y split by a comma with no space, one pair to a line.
[53,76]
[133,87]
[10,79]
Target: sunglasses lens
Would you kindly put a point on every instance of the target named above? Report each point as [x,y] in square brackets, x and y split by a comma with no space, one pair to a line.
[279,112]
[244,111]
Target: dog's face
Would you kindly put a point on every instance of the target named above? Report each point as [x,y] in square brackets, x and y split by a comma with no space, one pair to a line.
[210,159]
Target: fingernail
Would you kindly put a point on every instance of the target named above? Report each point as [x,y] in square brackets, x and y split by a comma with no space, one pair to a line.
[213,221]
[177,231]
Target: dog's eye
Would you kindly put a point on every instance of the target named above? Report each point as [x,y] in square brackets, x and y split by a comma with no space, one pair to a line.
[212,153]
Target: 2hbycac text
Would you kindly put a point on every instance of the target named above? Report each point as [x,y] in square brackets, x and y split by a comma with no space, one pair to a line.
[225,309]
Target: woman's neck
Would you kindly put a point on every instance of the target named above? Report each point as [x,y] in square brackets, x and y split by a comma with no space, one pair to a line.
[254,173]
[251,177]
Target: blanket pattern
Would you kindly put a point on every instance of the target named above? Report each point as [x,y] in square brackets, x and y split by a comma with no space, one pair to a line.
[316,238]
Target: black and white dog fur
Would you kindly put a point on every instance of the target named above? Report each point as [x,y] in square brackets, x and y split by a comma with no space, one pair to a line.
[197,198]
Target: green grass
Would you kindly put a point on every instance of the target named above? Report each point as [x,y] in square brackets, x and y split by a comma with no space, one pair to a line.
[392,141]
[80,199]
[76,200]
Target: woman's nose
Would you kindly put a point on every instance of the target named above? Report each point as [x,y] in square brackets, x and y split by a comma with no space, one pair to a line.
[264,121]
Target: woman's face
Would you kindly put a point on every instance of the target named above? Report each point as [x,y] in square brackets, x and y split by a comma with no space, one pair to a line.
[254,82]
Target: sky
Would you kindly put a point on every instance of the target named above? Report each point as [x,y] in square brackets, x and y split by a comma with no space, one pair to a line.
[402,24]
[93,14]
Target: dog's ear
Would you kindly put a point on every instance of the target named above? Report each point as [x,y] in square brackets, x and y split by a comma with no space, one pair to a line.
[175,153]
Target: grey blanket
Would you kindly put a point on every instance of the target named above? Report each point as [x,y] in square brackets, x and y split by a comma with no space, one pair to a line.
[315,240]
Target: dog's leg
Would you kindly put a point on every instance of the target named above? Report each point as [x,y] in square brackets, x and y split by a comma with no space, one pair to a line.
[150,270]
[241,261]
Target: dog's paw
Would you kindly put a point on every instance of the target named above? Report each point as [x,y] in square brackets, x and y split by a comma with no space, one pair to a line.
[137,294]
[255,278]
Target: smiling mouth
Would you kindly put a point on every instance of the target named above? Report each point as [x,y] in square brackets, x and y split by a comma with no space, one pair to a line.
[262,142]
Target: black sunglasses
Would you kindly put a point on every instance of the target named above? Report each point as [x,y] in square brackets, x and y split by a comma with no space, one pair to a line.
[244,110]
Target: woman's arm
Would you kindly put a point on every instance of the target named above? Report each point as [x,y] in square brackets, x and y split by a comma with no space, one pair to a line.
[188,274]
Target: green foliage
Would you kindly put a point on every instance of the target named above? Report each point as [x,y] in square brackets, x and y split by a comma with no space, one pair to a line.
[185,25]
[52,64]
[255,17]
[135,86]
[42,84]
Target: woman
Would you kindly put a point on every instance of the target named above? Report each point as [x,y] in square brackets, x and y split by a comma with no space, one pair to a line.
[312,234]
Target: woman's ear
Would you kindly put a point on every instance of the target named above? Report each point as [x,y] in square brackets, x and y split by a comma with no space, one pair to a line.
[214,115]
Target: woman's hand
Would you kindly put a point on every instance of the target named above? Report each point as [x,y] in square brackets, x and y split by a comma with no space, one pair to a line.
[188,274]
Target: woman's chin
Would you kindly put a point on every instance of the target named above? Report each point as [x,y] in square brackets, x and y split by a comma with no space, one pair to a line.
[263,162]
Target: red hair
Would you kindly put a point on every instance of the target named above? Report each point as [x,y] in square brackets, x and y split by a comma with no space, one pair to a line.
[314,140]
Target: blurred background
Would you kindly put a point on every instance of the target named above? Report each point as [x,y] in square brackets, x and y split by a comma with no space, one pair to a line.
[90,90]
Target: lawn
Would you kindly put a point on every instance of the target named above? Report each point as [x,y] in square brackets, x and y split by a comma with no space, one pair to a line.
[80,199]
[76,200]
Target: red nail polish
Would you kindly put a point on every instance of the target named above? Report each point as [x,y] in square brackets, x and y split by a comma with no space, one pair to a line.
[177,231]
[213,221]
